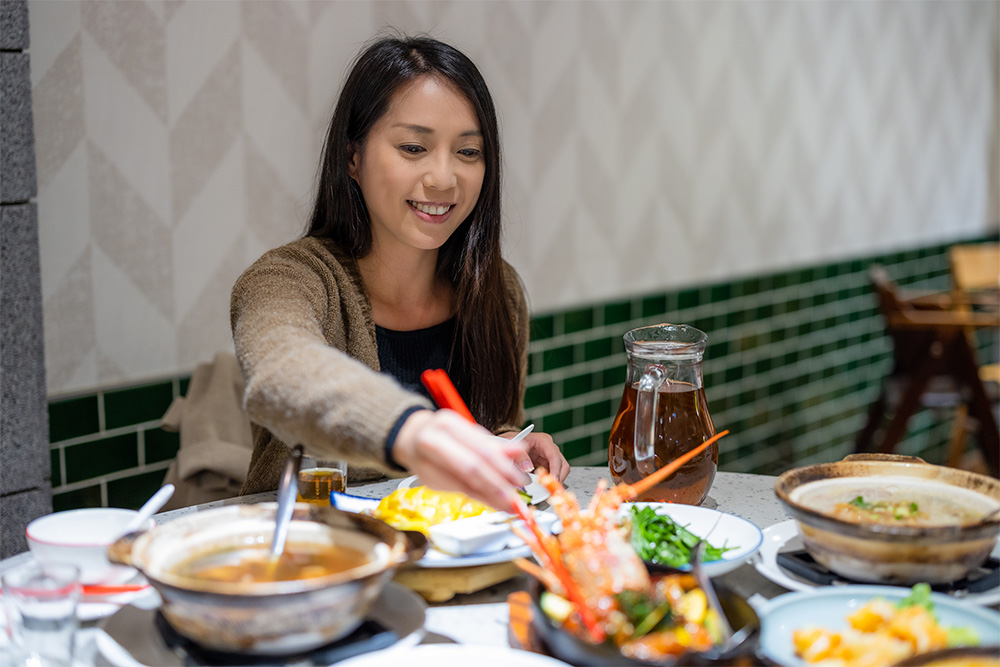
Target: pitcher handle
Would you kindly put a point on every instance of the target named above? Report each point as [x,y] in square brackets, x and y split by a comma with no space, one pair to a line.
[645,423]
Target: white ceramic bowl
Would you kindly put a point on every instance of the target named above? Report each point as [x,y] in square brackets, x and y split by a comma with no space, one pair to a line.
[82,537]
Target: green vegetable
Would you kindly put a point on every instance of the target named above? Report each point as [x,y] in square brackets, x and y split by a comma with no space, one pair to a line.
[860,502]
[958,636]
[525,496]
[659,539]
[643,612]
[920,596]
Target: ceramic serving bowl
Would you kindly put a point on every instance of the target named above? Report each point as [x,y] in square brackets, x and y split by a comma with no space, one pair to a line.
[266,617]
[944,550]
[570,648]
[82,537]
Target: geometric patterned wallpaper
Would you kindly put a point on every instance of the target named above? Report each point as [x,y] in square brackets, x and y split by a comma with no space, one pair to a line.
[648,146]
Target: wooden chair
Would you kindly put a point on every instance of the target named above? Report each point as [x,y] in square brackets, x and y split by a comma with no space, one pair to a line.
[975,275]
[934,365]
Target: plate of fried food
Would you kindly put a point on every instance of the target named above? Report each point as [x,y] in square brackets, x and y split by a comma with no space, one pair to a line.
[868,626]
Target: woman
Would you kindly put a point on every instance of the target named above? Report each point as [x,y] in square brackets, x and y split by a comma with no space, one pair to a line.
[399,271]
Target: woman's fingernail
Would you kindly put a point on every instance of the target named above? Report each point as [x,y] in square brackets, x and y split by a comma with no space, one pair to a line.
[526,466]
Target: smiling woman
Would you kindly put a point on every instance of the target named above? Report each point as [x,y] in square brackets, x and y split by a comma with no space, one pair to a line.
[400,271]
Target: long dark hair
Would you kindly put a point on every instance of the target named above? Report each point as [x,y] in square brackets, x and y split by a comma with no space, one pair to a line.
[484,358]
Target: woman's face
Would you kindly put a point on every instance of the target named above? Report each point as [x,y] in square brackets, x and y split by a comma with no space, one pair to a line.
[421,167]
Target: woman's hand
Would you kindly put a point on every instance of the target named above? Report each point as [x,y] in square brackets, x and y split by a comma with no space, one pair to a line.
[450,453]
[543,452]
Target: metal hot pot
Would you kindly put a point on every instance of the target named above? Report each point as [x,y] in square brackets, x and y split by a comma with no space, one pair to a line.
[266,617]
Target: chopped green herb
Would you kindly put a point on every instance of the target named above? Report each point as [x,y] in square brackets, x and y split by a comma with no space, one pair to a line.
[860,502]
[659,539]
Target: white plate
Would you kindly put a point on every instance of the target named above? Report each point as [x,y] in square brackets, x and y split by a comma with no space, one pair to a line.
[434,558]
[717,528]
[130,638]
[537,492]
[436,655]
[829,607]
[784,536]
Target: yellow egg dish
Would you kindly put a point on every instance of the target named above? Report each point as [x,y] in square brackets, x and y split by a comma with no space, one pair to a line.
[419,508]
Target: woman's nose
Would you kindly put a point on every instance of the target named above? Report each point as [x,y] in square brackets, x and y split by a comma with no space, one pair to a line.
[440,174]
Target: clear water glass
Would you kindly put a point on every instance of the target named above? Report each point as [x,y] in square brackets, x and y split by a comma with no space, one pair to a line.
[40,601]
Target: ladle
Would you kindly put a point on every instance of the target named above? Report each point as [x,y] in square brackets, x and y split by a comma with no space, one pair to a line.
[150,507]
[287,490]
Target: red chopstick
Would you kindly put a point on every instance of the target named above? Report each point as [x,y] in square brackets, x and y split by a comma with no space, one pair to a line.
[97,590]
[444,393]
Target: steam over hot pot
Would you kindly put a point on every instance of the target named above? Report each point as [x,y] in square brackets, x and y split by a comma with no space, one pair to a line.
[199,566]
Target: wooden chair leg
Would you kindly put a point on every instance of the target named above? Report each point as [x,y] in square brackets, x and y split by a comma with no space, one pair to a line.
[987,435]
[876,412]
[907,405]
[956,441]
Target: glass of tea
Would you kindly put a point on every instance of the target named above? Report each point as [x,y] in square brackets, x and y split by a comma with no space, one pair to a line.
[318,477]
[663,414]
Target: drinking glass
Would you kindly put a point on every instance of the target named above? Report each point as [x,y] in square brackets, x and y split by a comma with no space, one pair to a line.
[40,602]
[318,477]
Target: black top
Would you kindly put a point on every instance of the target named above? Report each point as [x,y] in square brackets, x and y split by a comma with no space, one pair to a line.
[406,354]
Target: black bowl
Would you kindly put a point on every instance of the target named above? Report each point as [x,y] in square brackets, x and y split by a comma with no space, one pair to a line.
[567,647]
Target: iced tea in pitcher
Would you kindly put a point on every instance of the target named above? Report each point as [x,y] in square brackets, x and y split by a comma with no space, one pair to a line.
[663,414]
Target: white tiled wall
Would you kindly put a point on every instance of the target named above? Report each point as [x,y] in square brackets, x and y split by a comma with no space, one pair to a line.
[649,145]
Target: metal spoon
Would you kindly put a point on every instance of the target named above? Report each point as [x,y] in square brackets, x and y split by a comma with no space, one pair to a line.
[705,583]
[287,490]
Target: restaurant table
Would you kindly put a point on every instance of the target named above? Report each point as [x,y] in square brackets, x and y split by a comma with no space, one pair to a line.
[482,617]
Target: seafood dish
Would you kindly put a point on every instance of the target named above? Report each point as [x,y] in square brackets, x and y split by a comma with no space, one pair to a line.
[599,590]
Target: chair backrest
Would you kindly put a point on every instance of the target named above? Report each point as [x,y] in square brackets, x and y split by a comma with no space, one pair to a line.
[975,266]
[908,344]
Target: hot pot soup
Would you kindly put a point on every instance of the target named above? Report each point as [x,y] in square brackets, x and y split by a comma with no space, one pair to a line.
[898,501]
[253,564]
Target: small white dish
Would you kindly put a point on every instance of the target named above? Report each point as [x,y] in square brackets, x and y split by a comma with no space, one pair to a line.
[717,528]
[534,489]
[784,536]
[82,537]
[96,607]
[829,607]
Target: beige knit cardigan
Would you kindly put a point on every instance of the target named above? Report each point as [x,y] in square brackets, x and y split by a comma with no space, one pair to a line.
[305,339]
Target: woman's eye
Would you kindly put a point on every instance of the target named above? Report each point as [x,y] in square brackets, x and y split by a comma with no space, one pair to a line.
[470,152]
[411,148]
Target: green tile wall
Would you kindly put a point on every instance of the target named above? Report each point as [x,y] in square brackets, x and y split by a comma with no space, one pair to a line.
[793,361]
[107,448]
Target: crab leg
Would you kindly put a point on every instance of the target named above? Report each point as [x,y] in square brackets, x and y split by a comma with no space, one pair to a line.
[629,491]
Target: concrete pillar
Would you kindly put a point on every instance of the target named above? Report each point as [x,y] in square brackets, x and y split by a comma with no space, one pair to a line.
[25,489]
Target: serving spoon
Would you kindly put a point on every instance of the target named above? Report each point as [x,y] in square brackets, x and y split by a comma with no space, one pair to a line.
[287,490]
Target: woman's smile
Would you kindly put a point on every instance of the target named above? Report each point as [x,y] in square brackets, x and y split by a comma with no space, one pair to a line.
[433,212]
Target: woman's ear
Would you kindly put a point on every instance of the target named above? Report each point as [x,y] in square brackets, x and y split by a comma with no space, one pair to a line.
[353,161]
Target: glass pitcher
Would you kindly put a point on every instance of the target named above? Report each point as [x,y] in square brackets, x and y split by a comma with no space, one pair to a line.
[663,414]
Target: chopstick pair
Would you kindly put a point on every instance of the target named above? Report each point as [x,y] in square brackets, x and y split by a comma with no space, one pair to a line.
[444,393]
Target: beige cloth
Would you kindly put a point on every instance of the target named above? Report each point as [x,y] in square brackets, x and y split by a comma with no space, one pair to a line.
[216,441]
